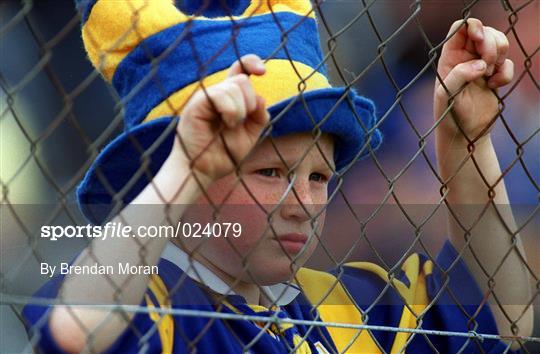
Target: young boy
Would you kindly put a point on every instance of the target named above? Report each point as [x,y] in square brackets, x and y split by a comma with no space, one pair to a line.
[219,153]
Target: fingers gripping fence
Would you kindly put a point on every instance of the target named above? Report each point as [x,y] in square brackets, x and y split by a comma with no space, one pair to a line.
[427,245]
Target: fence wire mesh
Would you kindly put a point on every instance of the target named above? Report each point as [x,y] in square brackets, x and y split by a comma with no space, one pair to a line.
[393,283]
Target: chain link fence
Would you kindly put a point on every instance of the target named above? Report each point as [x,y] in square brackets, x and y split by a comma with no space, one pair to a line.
[384,207]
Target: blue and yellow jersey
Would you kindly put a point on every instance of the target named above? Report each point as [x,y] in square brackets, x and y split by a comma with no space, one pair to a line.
[436,296]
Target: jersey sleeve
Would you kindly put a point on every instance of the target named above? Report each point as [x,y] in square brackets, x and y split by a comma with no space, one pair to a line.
[143,334]
[439,295]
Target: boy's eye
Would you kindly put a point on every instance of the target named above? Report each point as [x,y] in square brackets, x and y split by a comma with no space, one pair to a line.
[317,177]
[268,172]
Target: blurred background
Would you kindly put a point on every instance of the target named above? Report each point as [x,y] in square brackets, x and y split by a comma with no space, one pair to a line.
[56,113]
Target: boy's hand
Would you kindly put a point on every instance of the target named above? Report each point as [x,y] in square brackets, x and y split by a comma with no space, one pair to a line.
[231,108]
[474,61]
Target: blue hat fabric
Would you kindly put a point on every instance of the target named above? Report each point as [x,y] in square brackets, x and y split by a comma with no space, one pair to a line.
[155,69]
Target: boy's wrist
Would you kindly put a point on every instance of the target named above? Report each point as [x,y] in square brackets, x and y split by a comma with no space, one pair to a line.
[451,150]
[458,142]
[179,158]
[177,180]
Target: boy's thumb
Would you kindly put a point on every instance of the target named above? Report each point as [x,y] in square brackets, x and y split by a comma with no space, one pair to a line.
[460,75]
[248,64]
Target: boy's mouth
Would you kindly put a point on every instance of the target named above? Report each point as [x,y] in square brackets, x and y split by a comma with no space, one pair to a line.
[293,242]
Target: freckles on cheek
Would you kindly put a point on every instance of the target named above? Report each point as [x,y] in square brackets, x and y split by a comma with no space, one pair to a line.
[243,209]
[264,193]
[254,222]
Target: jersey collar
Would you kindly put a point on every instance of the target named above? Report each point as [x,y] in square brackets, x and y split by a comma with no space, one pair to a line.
[280,294]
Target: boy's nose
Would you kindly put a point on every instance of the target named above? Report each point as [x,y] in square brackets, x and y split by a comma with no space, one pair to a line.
[298,204]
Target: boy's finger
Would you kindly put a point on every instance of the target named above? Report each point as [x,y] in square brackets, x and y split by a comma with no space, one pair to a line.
[246,87]
[488,51]
[472,30]
[228,101]
[235,94]
[475,29]
[502,46]
[503,76]
[462,74]
[257,120]
[251,63]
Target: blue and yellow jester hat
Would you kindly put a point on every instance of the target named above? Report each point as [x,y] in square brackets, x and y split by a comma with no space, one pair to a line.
[155,52]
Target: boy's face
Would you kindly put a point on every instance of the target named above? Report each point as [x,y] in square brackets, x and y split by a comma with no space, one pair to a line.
[265,197]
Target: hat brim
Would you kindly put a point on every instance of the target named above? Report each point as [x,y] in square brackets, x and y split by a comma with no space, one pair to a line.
[127,164]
